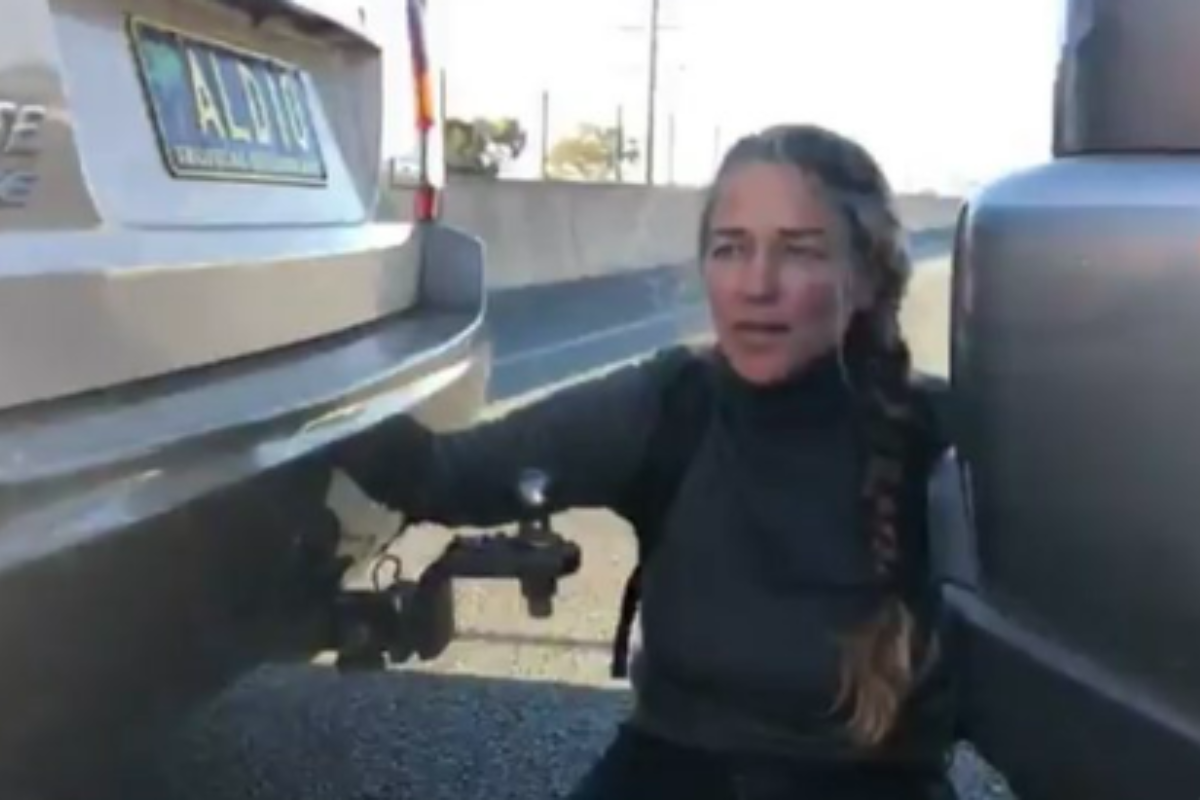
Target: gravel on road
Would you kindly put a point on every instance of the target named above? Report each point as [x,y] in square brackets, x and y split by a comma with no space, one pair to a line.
[516,708]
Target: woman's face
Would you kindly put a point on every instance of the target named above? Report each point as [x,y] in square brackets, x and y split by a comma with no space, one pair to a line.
[779,275]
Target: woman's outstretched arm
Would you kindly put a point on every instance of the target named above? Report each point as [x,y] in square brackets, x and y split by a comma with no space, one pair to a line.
[590,438]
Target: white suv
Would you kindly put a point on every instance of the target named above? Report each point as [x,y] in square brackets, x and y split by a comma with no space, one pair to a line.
[219,254]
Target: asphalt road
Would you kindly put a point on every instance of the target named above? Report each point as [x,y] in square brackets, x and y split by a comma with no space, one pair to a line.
[517,708]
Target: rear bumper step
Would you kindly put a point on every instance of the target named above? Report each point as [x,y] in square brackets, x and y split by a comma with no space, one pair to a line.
[158,541]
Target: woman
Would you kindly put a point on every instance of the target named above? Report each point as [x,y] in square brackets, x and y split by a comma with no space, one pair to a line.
[789,627]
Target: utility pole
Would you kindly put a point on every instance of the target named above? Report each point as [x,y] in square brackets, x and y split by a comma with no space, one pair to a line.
[545,133]
[653,33]
[671,148]
[652,91]
[619,166]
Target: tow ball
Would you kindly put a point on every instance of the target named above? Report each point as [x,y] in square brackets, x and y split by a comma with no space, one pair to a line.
[394,622]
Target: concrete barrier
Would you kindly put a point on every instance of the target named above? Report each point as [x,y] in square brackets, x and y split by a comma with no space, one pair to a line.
[540,232]
[586,275]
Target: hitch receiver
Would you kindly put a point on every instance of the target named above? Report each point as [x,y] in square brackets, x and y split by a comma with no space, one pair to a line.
[391,624]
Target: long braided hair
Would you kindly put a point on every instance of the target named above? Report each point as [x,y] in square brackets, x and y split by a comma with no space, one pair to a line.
[878,665]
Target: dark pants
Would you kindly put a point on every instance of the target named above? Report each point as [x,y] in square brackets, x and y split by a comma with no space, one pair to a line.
[638,766]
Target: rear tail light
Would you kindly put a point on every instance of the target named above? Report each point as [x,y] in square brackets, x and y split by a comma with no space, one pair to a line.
[426,202]
[426,205]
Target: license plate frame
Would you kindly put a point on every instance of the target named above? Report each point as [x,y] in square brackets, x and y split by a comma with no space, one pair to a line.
[225,113]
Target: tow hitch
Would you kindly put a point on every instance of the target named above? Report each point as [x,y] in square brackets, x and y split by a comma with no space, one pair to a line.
[391,623]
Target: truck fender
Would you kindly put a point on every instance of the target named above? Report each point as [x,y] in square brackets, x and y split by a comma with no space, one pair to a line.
[953,544]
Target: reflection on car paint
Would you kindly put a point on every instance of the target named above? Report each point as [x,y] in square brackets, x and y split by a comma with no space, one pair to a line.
[20,137]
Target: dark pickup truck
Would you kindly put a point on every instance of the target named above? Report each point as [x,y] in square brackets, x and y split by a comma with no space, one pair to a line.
[1070,514]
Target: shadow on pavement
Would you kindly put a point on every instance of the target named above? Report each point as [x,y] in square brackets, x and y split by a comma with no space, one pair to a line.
[307,733]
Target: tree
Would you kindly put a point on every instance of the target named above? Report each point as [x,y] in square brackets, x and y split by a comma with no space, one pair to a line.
[483,146]
[592,153]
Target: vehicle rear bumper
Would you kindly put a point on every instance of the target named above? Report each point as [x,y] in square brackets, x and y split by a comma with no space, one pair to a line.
[158,540]
[1060,727]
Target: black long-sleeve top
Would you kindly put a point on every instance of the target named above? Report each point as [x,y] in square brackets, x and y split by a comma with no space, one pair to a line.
[763,565]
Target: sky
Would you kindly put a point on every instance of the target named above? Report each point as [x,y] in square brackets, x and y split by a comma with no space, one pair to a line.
[946,93]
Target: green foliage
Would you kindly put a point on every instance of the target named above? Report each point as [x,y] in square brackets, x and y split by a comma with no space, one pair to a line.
[483,146]
[592,153]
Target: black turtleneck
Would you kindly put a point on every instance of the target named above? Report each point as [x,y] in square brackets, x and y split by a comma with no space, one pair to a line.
[763,565]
